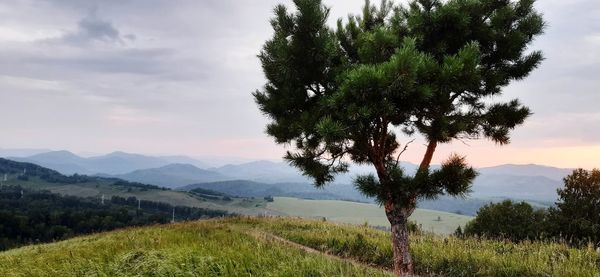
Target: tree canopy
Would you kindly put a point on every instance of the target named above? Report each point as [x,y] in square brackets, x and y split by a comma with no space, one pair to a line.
[576,216]
[429,68]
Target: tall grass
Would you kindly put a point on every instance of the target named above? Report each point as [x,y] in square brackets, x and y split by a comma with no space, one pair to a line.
[208,248]
[435,255]
[230,247]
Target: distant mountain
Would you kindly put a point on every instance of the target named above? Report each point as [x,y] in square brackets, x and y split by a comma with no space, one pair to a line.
[537,188]
[173,175]
[530,182]
[282,172]
[53,156]
[263,171]
[185,160]
[121,162]
[64,162]
[24,152]
[527,170]
[114,163]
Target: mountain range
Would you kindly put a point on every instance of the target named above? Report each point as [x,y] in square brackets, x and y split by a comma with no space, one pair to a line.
[118,162]
[530,182]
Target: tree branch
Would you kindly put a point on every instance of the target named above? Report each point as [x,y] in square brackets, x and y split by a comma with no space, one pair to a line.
[403,150]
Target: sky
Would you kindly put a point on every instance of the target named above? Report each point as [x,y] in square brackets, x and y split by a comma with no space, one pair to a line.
[176,77]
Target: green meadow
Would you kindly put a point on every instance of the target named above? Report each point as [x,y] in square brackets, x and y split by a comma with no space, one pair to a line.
[274,247]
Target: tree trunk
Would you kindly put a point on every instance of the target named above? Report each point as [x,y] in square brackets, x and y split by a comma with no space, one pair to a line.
[398,217]
[428,155]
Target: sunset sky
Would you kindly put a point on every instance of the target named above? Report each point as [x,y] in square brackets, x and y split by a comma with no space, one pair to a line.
[176,77]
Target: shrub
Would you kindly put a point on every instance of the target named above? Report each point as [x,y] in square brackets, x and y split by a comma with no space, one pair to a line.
[508,220]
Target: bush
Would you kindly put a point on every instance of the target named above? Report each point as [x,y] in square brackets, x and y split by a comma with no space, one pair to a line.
[508,220]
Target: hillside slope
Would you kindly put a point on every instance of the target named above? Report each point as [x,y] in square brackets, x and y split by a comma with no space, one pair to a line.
[202,248]
[285,247]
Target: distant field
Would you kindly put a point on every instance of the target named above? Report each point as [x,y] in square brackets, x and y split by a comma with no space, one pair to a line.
[359,213]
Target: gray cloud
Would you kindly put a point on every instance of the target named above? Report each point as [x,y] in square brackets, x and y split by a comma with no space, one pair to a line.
[92,29]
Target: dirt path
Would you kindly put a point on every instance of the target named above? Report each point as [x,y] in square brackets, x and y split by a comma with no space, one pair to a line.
[271,237]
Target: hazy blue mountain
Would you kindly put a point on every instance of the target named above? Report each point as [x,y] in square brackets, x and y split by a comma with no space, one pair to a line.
[121,162]
[531,182]
[185,160]
[24,152]
[68,163]
[527,170]
[281,172]
[173,175]
[263,171]
[507,181]
[53,156]
[517,187]
[64,162]
[527,182]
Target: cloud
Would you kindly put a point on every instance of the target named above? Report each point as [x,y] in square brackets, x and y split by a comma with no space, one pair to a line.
[92,29]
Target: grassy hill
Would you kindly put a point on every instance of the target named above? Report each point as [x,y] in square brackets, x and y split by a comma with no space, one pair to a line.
[285,247]
[359,213]
[205,248]
[97,188]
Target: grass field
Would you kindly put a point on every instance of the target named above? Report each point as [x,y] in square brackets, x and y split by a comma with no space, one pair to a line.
[209,248]
[438,256]
[359,213]
[239,247]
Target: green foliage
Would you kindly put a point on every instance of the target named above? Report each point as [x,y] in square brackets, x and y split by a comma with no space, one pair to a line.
[508,220]
[429,67]
[453,178]
[577,214]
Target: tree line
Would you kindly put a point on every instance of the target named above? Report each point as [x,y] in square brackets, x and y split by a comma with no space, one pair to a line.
[575,219]
[32,216]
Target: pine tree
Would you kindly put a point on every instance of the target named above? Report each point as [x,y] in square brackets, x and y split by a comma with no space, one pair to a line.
[428,68]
